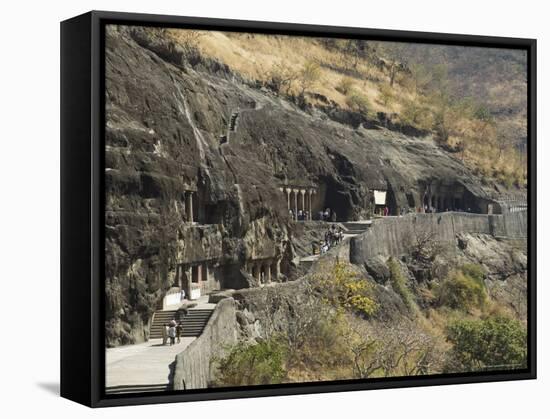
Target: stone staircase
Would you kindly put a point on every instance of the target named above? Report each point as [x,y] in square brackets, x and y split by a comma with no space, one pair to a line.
[160,318]
[193,322]
[233,121]
[138,388]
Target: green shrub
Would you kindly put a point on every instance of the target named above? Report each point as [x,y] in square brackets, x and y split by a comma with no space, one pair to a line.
[463,289]
[343,288]
[358,102]
[385,96]
[253,364]
[494,343]
[474,271]
[399,285]
[345,86]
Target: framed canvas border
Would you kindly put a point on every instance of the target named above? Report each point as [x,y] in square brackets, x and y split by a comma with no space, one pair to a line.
[83,203]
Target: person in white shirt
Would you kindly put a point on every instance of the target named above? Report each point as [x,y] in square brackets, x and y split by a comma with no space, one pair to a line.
[172,334]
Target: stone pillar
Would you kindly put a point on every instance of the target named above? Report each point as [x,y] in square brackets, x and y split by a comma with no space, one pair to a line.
[303,193]
[277,269]
[295,204]
[267,273]
[189,206]
[257,271]
[309,192]
[287,190]
[205,272]
[188,281]
[199,273]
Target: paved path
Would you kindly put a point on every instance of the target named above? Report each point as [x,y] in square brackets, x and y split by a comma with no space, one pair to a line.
[146,363]
[142,364]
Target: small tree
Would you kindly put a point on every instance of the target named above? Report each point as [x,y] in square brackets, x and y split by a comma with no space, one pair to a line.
[385,95]
[189,39]
[352,51]
[441,103]
[420,76]
[399,284]
[461,291]
[343,288]
[281,78]
[414,112]
[252,364]
[358,103]
[394,54]
[309,76]
[398,349]
[496,342]
[345,86]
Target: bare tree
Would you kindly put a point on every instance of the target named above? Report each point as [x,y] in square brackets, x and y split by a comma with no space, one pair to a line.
[282,78]
[394,55]
[189,39]
[400,349]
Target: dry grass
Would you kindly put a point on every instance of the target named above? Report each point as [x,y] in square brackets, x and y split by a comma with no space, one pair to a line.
[255,56]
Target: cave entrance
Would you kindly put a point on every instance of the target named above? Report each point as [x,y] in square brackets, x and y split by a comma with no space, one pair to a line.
[337,199]
[391,202]
[214,213]
[453,197]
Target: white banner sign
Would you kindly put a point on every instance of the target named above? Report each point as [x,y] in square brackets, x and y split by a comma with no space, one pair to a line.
[380,197]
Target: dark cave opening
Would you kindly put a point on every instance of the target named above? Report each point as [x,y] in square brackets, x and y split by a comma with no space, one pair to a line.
[337,199]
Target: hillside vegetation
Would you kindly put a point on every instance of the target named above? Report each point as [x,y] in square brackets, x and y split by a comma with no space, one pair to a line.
[472,100]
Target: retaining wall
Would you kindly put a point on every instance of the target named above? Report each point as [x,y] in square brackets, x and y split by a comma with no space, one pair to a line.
[391,236]
[192,369]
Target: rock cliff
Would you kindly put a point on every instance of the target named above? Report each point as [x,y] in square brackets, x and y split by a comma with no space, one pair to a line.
[180,126]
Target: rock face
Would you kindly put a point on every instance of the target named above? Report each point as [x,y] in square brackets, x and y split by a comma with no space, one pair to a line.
[187,139]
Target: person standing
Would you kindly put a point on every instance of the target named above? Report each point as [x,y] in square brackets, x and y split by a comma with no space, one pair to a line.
[172,334]
[164,333]
[179,332]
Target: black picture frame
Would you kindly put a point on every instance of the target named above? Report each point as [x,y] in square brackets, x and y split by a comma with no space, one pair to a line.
[82,204]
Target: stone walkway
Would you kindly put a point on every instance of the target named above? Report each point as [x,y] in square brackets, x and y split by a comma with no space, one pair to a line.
[361,225]
[145,364]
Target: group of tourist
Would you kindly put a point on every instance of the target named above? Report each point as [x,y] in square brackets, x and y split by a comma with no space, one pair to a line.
[428,209]
[327,215]
[333,236]
[172,331]
[302,215]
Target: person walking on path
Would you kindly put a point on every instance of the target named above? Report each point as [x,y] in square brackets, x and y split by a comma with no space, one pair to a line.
[172,334]
[164,334]
[179,332]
